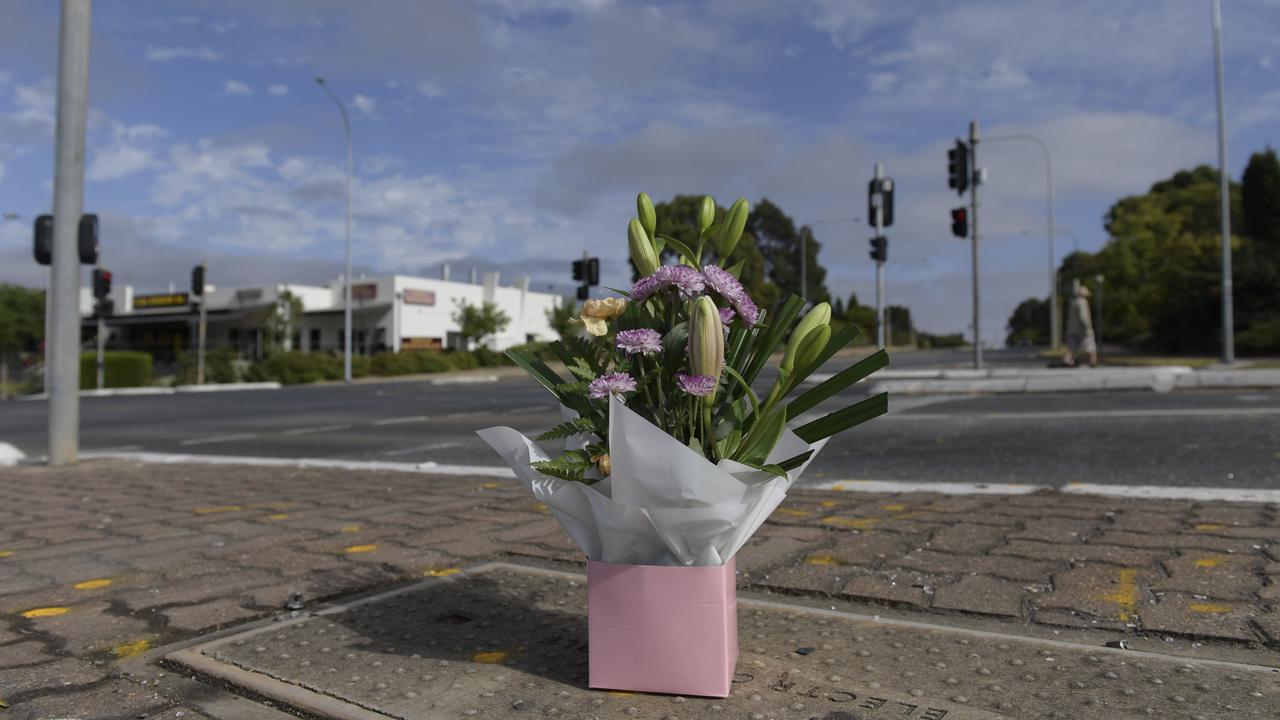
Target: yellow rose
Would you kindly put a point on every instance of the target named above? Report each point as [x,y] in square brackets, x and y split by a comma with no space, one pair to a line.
[603,464]
[596,312]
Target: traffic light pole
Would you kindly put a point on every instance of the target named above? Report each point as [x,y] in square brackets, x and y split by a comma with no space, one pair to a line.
[62,368]
[880,339]
[204,315]
[973,212]
[101,365]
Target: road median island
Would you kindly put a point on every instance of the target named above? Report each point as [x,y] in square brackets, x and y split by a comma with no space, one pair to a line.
[108,561]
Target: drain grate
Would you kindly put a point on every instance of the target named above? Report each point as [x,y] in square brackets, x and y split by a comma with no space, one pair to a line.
[502,640]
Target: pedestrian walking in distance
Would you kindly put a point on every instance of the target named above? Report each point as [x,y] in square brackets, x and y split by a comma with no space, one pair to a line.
[1080,339]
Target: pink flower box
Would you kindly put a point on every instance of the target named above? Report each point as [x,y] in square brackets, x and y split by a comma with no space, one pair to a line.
[662,628]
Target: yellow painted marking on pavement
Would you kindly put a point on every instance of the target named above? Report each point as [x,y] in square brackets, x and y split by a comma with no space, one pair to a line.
[217,509]
[5,553]
[621,693]
[92,584]
[822,559]
[350,528]
[278,516]
[1212,561]
[3,703]
[441,572]
[490,486]
[45,612]
[490,658]
[837,486]
[1208,527]
[131,649]
[361,548]
[851,523]
[828,503]
[1208,608]
[540,507]
[895,507]
[1125,594]
[794,513]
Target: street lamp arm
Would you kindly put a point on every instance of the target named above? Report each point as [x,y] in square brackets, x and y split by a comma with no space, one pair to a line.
[346,121]
[346,277]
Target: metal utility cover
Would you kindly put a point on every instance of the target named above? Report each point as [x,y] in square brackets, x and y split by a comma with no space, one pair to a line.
[503,640]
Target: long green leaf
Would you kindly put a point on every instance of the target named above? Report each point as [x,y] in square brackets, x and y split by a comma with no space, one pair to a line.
[837,383]
[795,461]
[751,394]
[767,343]
[679,246]
[842,420]
[539,371]
[759,442]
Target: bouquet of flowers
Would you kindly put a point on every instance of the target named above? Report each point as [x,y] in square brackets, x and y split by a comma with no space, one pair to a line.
[671,458]
[675,360]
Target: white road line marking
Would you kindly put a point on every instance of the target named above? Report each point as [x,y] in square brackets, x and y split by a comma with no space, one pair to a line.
[309,430]
[944,488]
[1164,492]
[529,409]
[399,420]
[119,448]
[219,439]
[422,448]
[470,413]
[428,468]
[1085,414]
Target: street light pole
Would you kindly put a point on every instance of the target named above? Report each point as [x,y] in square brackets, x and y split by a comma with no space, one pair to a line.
[1224,192]
[1054,330]
[346,277]
[62,369]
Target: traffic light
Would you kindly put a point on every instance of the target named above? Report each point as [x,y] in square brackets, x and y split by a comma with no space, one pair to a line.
[197,281]
[86,239]
[958,167]
[580,270]
[101,283]
[584,292]
[885,205]
[879,248]
[593,271]
[960,222]
[43,239]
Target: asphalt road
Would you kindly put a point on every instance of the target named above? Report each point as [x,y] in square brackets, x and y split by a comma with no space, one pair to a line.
[1217,439]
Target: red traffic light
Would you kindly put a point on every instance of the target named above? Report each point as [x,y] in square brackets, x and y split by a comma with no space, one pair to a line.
[960,222]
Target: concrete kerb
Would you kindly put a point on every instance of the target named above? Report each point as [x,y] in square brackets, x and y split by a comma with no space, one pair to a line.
[155,390]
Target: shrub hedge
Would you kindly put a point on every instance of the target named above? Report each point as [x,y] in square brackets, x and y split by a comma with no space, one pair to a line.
[292,368]
[121,369]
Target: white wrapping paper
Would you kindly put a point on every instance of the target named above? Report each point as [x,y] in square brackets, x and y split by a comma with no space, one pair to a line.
[664,504]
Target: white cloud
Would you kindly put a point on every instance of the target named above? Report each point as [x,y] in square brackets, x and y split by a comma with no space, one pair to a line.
[278,89]
[366,105]
[118,162]
[235,87]
[165,54]
[429,89]
[222,28]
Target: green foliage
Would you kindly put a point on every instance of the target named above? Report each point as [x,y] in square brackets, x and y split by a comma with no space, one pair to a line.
[295,368]
[576,426]
[780,241]
[479,322]
[121,369]
[1260,199]
[571,466]
[1029,323]
[21,318]
[281,321]
[929,340]
[560,319]
[219,367]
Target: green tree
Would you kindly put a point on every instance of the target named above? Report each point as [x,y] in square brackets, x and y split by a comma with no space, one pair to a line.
[282,319]
[779,243]
[1029,323]
[1257,263]
[561,316]
[478,322]
[21,326]
[1260,199]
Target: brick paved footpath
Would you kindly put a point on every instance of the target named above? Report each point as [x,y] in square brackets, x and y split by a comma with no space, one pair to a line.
[106,560]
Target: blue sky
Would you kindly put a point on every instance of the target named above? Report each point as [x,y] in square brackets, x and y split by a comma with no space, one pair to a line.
[514,134]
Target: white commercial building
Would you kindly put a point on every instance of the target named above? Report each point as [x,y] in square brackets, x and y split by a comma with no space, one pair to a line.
[389,313]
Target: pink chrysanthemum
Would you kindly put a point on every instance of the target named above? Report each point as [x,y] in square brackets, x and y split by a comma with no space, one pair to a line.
[643,340]
[611,384]
[729,288]
[696,385]
[726,316]
[688,281]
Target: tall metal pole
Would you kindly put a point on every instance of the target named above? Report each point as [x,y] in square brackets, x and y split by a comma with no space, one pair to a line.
[100,364]
[1224,191]
[63,365]
[973,214]
[879,174]
[204,318]
[1055,329]
[346,303]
